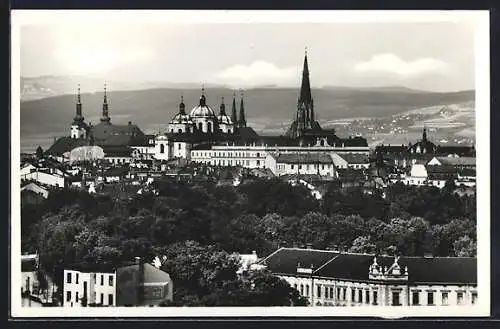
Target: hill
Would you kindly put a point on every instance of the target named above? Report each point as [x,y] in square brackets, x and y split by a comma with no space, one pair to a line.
[268,110]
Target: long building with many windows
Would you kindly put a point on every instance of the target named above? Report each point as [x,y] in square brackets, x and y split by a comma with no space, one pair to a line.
[331,278]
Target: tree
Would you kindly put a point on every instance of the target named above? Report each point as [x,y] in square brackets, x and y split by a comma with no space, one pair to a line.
[363,244]
[465,247]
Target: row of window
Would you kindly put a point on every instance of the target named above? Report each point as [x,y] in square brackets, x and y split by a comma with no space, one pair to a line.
[357,295]
[110,298]
[69,277]
[235,162]
[306,167]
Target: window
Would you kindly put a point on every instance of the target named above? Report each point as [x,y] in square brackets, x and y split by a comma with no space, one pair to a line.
[110,280]
[338,293]
[302,289]
[162,148]
[291,166]
[209,126]
[344,293]
[460,298]
[258,162]
[367,296]
[171,130]
[300,167]
[179,146]
[331,292]
[444,298]
[474,298]
[375,298]
[68,278]
[76,296]
[200,126]
[179,131]
[307,290]
[360,296]
[430,298]
[258,154]
[102,298]
[295,286]
[102,280]
[68,296]
[318,292]
[110,299]
[353,295]
[415,298]
[395,298]
[322,166]
[77,277]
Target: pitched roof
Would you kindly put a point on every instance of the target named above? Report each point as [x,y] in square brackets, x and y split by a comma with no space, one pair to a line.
[331,264]
[348,174]
[355,158]
[457,161]
[65,144]
[298,158]
[285,260]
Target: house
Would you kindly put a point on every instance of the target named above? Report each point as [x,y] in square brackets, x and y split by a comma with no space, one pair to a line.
[351,178]
[143,284]
[36,189]
[355,160]
[300,164]
[115,174]
[332,278]
[137,284]
[89,287]
[29,268]
[438,175]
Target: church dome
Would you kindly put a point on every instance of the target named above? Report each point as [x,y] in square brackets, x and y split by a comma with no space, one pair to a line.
[224,119]
[181,118]
[202,110]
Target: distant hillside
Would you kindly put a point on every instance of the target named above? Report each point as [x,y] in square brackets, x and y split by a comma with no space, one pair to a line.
[266,108]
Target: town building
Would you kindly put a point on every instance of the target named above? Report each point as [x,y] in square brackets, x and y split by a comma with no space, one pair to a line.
[331,278]
[138,284]
[300,164]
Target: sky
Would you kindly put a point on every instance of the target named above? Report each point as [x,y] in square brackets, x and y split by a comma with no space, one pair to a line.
[435,56]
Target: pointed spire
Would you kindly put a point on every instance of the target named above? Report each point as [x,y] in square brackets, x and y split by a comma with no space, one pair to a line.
[424,134]
[105,113]
[234,118]
[243,121]
[79,100]
[305,88]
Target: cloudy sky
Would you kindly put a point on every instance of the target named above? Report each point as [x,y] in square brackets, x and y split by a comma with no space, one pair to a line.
[437,56]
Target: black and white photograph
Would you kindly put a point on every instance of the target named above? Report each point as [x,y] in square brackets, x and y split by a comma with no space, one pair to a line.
[200,163]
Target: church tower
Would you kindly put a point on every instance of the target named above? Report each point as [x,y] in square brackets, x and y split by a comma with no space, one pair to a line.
[234,118]
[305,104]
[105,114]
[242,122]
[78,127]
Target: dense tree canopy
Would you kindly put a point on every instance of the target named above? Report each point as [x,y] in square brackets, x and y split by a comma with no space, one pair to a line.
[199,227]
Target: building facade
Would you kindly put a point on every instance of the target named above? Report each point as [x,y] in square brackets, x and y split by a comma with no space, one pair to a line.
[330,278]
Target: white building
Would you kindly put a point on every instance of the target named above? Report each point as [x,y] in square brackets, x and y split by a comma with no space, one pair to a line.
[301,163]
[417,176]
[330,278]
[88,288]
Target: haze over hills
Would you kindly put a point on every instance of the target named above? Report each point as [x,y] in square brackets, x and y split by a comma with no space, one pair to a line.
[268,109]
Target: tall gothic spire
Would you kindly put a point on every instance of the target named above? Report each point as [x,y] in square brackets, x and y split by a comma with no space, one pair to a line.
[243,121]
[234,118]
[305,88]
[78,117]
[105,113]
